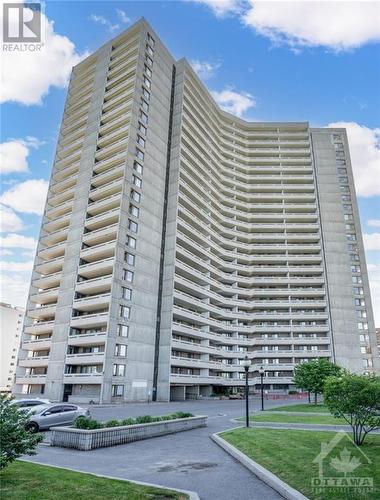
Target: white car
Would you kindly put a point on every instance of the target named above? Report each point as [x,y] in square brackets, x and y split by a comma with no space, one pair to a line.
[48,415]
[29,403]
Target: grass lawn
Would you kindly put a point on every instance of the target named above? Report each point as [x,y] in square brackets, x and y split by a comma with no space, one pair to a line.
[28,481]
[307,408]
[290,453]
[298,419]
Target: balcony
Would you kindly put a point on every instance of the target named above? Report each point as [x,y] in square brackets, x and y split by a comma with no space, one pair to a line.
[45,296]
[57,223]
[55,237]
[102,235]
[53,212]
[39,327]
[31,379]
[103,219]
[52,252]
[85,339]
[36,345]
[89,320]
[94,269]
[85,359]
[48,281]
[97,252]
[83,378]
[92,303]
[34,361]
[116,160]
[43,312]
[50,266]
[109,175]
[95,285]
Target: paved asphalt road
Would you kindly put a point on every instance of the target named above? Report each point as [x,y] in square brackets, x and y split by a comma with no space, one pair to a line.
[187,460]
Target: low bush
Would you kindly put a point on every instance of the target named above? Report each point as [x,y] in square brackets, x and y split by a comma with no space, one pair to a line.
[89,423]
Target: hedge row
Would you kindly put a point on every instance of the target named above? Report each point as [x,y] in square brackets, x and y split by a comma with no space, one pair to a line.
[89,423]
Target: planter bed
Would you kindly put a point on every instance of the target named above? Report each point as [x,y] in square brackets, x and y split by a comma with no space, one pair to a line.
[81,439]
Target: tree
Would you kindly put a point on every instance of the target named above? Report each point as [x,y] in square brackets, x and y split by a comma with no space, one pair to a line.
[356,398]
[15,440]
[311,376]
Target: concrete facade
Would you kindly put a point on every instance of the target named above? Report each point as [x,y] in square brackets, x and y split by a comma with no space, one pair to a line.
[11,327]
[177,239]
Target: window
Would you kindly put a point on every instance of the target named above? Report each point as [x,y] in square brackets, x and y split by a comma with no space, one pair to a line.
[123,330]
[357,279]
[144,105]
[133,226]
[133,210]
[147,82]
[135,196]
[351,237]
[151,40]
[343,180]
[118,370]
[128,275]
[149,50]
[143,117]
[137,167]
[340,162]
[346,197]
[348,217]
[350,227]
[148,71]
[120,350]
[142,128]
[117,390]
[363,326]
[124,311]
[140,155]
[149,60]
[129,258]
[360,302]
[358,290]
[355,269]
[361,314]
[131,242]
[347,208]
[126,293]
[364,337]
[344,189]
[352,248]
[354,257]
[141,141]
[146,94]
[136,181]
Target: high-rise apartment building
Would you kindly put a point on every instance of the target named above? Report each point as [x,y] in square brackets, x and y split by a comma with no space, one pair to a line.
[11,319]
[177,239]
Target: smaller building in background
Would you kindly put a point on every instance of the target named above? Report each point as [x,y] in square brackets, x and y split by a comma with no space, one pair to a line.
[378,339]
[11,325]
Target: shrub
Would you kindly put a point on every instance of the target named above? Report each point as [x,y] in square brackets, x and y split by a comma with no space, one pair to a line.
[128,421]
[356,398]
[112,423]
[145,419]
[87,423]
[181,414]
[15,440]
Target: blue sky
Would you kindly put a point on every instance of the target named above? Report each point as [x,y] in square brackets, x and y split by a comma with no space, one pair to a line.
[263,60]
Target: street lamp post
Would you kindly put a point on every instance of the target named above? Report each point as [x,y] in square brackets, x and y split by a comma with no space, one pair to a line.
[261,372]
[246,363]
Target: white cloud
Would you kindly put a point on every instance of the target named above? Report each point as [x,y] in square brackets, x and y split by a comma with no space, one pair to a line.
[123,16]
[105,22]
[373,222]
[15,285]
[13,240]
[27,197]
[27,76]
[374,283]
[13,157]
[223,7]
[4,252]
[9,221]
[371,241]
[204,69]
[365,156]
[340,25]
[14,154]
[15,267]
[234,102]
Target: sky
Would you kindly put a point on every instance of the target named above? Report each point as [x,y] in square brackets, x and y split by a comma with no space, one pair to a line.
[316,61]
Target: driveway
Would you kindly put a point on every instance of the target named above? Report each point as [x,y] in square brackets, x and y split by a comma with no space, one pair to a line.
[187,460]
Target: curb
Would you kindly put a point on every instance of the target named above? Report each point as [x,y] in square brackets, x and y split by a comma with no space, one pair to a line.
[261,472]
[192,494]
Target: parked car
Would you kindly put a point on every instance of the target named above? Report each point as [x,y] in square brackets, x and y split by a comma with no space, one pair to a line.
[48,415]
[26,404]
